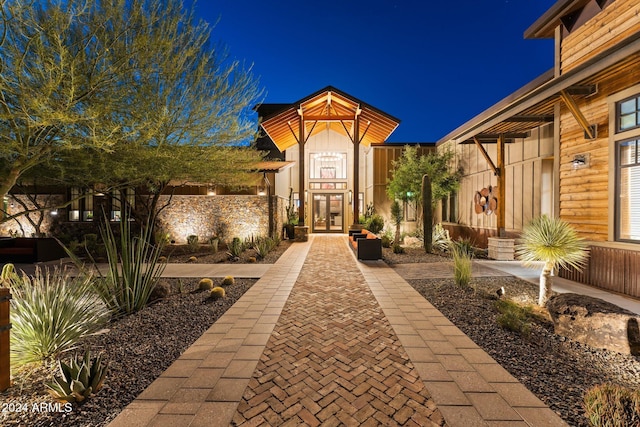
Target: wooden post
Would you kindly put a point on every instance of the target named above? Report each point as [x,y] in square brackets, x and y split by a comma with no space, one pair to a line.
[5,326]
[501,187]
[301,189]
[356,170]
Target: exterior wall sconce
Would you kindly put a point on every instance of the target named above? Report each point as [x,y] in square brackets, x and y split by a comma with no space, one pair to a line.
[580,161]
[350,197]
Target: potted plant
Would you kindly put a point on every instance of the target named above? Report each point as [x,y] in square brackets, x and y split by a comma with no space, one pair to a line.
[292,217]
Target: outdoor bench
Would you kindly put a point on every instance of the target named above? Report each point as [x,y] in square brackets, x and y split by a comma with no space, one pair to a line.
[29,250]
[365,244]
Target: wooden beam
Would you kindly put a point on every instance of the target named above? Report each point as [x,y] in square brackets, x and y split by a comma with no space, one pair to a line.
[486,156]
[328,118]
[589,130]
[527,119]
[502,189]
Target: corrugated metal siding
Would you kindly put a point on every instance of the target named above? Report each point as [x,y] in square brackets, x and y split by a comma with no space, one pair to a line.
[613,269]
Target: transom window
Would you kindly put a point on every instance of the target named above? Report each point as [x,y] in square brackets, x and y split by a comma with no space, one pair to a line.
[328,165]
[628,113]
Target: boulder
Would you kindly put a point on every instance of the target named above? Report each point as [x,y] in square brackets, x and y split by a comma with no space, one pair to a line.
[595,322]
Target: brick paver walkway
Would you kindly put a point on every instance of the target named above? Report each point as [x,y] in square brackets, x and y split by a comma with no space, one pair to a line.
[322,339]
[333,358]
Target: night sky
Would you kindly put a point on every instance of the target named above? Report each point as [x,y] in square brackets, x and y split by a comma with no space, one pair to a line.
[432,64]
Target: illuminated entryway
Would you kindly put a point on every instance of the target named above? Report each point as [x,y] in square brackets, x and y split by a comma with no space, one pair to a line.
[328,213]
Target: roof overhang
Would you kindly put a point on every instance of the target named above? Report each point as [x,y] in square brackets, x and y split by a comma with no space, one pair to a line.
[328,109]
[545,26]
[274,166]
[538,98]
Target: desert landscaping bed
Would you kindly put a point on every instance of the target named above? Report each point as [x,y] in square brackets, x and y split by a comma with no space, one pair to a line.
[139,347]
[554,368]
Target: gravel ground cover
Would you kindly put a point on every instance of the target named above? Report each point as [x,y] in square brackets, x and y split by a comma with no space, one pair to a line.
[554,368]
[139,348]
[204,255]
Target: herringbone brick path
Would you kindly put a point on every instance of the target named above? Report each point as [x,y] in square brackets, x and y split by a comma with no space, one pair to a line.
[333,358]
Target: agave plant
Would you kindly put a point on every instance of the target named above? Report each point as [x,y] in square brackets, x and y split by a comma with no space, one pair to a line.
[556,244]
[79,379]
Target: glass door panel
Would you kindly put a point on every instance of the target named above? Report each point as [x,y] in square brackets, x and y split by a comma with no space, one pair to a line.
[328,212]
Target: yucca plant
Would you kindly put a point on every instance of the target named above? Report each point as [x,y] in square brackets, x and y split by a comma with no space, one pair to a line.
[79,379]
[51,312]
[134,267]
[556,244]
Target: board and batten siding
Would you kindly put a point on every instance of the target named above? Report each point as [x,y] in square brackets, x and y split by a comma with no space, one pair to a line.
[612,25]
[528,171]
[585,194]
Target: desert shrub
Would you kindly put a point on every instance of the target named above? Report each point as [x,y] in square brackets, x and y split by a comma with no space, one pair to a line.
[205,284]
[462,253]
[217,293]
[514,317]
[611,405]
[236,247]
[91,243]
[193,242]
[79,380]
[133,267]
[375,224]
[228,281]
[397,249]
[51,312]
[387,238]
[160,291]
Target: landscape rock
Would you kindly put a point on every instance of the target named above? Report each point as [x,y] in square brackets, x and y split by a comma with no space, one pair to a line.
[595,322]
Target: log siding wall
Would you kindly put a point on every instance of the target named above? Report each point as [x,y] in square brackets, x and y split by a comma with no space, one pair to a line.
[615,23]
[585,200]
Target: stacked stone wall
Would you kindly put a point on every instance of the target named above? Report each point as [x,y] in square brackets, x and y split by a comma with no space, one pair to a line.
[205,216]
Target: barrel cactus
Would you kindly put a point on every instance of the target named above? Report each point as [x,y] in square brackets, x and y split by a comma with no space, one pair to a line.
[228,281]
[205,284]
[217,293]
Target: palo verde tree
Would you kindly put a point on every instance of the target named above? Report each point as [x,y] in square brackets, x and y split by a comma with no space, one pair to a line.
[408,170]
[135,94]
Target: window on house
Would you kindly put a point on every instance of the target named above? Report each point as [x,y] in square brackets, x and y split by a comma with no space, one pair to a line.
[117,203]
[328,165]
[81,205]
[628,190]
[628,112]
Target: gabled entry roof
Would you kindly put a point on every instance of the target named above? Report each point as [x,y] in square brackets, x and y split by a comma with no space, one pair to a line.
[328,108]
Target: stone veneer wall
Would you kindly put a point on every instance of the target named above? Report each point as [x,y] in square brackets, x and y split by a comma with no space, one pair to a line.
[20,225]
[237,215]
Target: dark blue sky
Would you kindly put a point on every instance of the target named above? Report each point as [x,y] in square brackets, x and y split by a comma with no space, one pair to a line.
[432,64]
